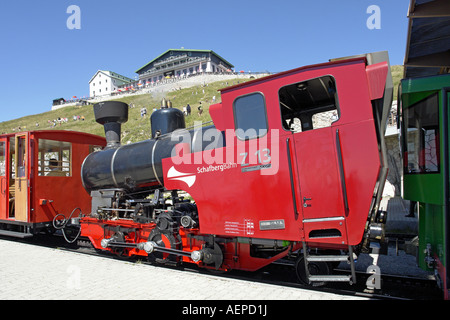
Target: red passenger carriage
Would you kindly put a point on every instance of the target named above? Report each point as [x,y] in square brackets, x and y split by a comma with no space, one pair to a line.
[40,178]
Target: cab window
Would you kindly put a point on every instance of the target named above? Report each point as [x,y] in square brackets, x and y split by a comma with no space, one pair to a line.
[250,116]
[309,105]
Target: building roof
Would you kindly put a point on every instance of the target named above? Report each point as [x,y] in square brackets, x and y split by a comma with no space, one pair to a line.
[112,75]
[428,43]
[184,50]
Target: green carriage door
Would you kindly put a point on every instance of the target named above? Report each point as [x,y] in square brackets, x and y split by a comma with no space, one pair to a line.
[423,179]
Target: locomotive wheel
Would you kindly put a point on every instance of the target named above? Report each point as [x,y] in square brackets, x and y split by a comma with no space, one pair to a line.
[314,268]
[119,237]
[162,239]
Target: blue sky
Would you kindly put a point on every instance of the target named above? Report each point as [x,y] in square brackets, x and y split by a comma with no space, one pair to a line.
[41,59]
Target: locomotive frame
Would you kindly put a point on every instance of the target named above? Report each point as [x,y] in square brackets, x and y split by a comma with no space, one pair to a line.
[322,201]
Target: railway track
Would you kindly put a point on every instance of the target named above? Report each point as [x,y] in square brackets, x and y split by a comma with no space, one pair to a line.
[393,287]
[281,273]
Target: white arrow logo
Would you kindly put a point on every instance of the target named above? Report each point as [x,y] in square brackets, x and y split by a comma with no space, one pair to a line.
[188,178]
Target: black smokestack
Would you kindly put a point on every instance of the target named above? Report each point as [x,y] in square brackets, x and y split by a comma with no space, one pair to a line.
[111,114]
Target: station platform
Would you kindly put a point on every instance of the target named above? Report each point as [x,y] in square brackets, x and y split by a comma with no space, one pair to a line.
[29,272]
[397,221]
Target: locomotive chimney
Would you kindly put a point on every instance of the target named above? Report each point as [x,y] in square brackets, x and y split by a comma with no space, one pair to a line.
[111,115]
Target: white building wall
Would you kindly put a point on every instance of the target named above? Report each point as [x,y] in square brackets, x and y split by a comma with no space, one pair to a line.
[100,85]
[103,84]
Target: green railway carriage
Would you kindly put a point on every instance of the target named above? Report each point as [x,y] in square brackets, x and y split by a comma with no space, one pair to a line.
[424,117]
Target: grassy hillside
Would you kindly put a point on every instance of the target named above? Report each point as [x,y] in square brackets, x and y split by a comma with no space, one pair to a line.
[138,128]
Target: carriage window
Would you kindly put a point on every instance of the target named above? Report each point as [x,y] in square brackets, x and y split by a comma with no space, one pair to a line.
[55,158]
[250,116]
[422,136]
[21,156]
[2,159]
[12,157]
[309,105]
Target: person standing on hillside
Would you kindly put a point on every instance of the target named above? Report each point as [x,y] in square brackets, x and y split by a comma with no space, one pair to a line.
[143,112]
[188,109]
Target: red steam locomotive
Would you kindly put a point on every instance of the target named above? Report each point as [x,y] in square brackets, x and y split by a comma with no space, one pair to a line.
[294,161]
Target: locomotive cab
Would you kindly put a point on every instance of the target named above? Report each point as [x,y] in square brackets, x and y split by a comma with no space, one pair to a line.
[309,155]
[305,163]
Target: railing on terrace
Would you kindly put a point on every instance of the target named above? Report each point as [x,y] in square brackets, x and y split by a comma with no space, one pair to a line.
[164,65]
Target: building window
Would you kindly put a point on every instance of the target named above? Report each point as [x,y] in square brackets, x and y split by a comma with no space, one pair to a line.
[250,116]
[422,136]
[309,105]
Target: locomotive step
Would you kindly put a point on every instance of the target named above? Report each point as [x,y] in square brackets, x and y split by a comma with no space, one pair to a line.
[351,279]
[327,258]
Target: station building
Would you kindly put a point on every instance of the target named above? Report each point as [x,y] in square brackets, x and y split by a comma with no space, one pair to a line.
[183,63]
